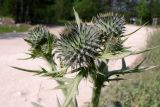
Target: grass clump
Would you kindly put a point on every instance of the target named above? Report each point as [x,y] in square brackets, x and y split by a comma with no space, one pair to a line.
[14,28]
[143,89]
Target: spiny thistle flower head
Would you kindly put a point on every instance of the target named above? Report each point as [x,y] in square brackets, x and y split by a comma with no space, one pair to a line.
[113,27]
[111,24]
[37,36]
[41,41]
[80,46]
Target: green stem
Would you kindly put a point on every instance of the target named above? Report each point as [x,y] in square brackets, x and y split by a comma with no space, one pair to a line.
[50,63]
[96,95]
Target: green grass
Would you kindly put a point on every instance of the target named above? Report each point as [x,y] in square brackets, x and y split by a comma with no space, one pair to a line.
[14,28]
[141,90]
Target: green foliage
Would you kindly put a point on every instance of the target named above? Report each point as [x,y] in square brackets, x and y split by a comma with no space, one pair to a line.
[13,28]
[43,14]
[83,51]
[155,10]
[46,11]
[86,8]
[63,9]
[104,6]
[6,7]
[142,9]
[142,90]
[58,11]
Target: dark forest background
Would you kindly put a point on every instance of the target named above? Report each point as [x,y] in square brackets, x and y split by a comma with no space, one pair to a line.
[59,11]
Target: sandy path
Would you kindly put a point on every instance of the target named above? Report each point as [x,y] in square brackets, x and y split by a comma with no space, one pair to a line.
[18,89]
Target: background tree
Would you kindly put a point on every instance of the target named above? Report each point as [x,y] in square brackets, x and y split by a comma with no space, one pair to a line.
[63,9]
[86,8]
[6,7]
[53,11]
[155,10]
[142,9]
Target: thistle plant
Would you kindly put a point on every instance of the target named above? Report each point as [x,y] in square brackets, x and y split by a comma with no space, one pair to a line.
[83,49]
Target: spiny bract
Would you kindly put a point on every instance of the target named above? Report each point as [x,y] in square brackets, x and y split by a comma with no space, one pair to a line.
[41,41]
[80,46]
[111,24]
[38,36]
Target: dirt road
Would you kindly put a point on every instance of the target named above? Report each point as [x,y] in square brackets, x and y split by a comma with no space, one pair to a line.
[19,89]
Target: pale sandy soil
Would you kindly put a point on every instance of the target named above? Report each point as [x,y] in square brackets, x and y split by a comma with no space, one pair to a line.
[19,89]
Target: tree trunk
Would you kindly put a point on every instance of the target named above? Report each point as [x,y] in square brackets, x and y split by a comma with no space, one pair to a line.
[154,21]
